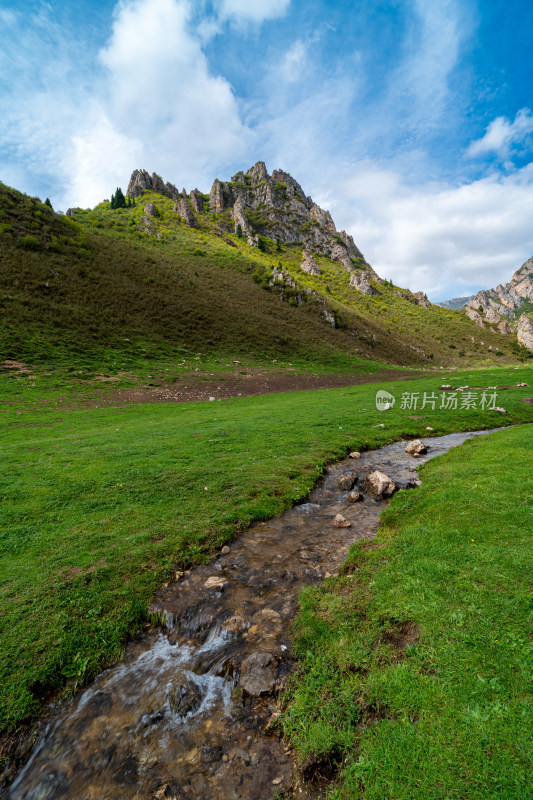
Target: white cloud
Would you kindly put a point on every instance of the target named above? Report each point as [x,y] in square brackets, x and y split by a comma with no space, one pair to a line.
[97,144]
[252,10]
[293,62]
[159,89]
[502,134]
[446,240]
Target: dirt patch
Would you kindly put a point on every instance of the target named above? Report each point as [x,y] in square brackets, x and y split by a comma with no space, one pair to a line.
[402,634]
[18,366]
[528,401]
[195,387]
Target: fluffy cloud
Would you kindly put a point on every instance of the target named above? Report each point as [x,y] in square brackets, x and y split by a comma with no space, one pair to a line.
[446,240]
[501,135]
[161,108]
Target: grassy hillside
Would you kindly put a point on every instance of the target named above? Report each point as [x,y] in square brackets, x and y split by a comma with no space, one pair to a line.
[97,292]
[415,670]
[99,504]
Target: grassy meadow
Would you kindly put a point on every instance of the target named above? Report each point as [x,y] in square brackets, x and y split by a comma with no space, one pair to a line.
[415,665]
[100,505]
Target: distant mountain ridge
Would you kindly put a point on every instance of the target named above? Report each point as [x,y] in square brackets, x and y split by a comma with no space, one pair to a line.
[456,303]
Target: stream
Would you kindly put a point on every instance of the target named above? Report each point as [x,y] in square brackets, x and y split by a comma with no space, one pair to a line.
[187,712]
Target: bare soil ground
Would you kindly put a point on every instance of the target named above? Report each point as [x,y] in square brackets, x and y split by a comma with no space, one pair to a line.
[197,386]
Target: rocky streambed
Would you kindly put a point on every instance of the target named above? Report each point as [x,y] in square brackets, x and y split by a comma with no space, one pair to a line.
[188,711]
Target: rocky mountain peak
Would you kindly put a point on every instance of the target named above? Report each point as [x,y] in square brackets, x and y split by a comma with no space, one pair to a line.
[262,205]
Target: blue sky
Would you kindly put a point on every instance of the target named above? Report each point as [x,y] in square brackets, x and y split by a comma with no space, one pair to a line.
[409,119]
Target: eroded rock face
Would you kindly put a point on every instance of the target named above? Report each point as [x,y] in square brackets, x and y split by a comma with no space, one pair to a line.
[420,299]
[141,181]
[379,485]
[474,315]
[197,201]
[258,674]
[524,332]
[496,306]
[183,209]
[150,210]
[309,264]
[360,280]
[271,205]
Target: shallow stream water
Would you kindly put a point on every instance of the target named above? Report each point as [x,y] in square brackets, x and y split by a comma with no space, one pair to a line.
[180,716]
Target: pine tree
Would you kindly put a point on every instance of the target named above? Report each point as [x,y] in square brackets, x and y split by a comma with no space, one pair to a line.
[48,203]
[113,201]
[239,231]
[120,200]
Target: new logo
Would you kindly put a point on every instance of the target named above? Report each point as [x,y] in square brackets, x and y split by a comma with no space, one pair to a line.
[384,400]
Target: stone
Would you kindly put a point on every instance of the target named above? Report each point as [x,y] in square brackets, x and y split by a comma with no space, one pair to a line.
[355,454]
[420,299]
[341,522]
[379,485]
[150,210]
[234,624]
[309,264]
[225,550]
[416,448]
[215,582]
[197,201]
[258,674]
[185,696]
[524,332]
[142,181]
[330,318]
[346,482]
[71,212]
[183,209]
[355,497]
[360,280]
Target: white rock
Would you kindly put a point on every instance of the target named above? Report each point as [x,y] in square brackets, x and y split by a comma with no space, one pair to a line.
[341,522]
[215,582]
[379,484]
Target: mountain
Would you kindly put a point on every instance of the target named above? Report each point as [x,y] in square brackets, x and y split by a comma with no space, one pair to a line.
[508,306]
[456,303]
[254,269]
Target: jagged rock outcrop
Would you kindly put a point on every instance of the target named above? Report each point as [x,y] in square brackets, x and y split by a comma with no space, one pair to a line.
[277,206]
[309,264]
[500,305]
[183,209]
[150,210]
[524,331]
[197,201]
[360,280]
[420,299]
[141,180]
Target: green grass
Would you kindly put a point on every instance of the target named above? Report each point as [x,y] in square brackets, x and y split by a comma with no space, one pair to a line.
[95,291]
[414,680]
[99,505]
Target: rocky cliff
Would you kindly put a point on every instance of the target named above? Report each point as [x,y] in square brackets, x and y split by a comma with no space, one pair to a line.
[274,206]
[505,307]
